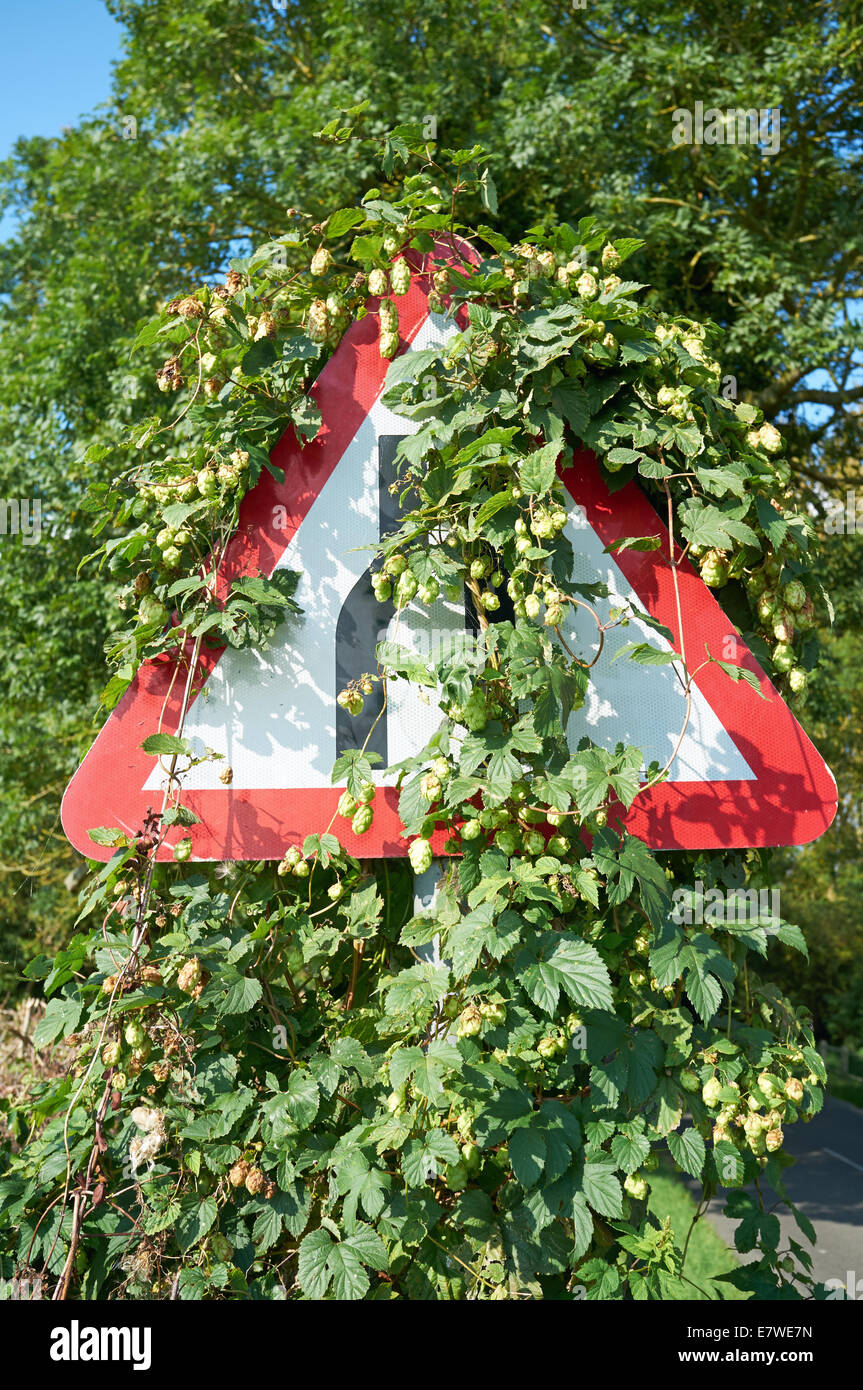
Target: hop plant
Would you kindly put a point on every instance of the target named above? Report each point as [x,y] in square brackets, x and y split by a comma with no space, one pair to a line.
[332,965]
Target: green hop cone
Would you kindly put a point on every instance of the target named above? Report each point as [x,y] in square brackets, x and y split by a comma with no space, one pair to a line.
[389,345]
[351,700]
[319,324]
[636,1187]
[207,484]
[470,1157]
[362,820]
[150,610]
[532,606]
[429,591]
[479,568]
[378,282]
[406,588]
[382,588]
[475,717]
[389,316]
[766,605]
[770,439]
[321,261]
[794,595]
[714,570]
[347,805]
[710,1092]
[470,1022]
[471,830]
[396,1102]
[134,1034]
[770,1086]
[400,276]
[420,855]
[430,787]
[756,583]
[183,850]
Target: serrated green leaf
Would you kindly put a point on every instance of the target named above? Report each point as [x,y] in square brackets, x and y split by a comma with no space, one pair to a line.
[688,1151]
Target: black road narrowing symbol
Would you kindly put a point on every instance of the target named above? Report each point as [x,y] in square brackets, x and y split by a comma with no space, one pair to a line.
[362,619]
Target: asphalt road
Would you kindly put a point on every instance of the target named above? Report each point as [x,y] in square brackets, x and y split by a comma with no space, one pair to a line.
[826,1183]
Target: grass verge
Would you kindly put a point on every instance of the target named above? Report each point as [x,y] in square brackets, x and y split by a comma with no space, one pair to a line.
[847,1088]
[707,1255]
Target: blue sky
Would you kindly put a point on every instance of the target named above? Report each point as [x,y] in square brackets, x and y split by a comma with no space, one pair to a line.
[57,57]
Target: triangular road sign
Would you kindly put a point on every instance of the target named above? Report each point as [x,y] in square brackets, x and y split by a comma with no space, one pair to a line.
[745,772]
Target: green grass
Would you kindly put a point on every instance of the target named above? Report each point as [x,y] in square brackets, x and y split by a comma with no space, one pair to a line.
[707,1255]
[849,1088]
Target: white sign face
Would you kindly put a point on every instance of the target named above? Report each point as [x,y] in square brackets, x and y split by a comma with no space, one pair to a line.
[274,716]
[641,706]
